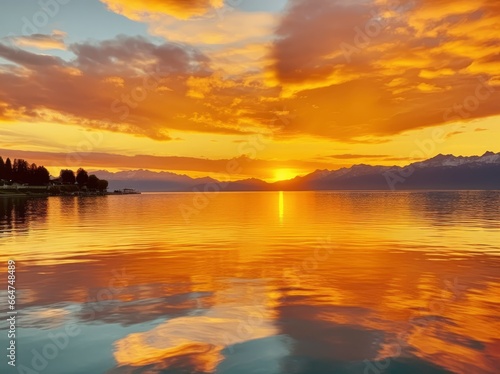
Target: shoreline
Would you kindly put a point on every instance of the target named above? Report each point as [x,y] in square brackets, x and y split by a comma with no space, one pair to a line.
[12,194]
[20,194]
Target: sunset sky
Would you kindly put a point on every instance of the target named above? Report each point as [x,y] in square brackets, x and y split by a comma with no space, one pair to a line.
[284,87]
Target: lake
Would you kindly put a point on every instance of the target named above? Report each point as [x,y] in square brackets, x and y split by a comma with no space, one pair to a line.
[254,282]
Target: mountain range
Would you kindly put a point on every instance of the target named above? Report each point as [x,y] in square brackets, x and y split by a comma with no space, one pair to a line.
[442,172]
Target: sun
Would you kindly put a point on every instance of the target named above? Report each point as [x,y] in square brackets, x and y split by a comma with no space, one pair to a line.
[284,174]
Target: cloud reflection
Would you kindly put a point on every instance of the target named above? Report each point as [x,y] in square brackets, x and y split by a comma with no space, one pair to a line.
[202,338]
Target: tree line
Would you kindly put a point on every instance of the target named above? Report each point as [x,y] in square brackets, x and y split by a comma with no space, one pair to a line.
[20,171]
[83,180]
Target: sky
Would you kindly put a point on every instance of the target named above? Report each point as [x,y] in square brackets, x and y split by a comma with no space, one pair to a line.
[265,89]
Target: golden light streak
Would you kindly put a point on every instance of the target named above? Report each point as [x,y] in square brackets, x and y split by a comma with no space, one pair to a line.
[281,206]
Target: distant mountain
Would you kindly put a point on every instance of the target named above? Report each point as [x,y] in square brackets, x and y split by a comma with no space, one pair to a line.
[438,173]
[150,181]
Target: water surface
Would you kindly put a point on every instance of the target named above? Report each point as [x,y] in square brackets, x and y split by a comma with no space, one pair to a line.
[278,282]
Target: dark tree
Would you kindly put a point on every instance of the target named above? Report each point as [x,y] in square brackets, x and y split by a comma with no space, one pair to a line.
[2,169]
[20,171]
[15,168]
[81,177]
[8,169]
[67,176]
[41,177]
[102,185]
[92,182]
[32,175]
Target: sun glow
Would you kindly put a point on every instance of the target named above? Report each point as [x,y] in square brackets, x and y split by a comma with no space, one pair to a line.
[284,174]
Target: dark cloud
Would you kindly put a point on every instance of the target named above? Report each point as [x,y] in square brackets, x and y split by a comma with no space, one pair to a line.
[309,34]
[28,59]
[124,55]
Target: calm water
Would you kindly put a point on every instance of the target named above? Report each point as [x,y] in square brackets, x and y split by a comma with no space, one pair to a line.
[294,282]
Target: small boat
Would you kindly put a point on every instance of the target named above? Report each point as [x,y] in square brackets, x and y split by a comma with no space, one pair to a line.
[129,191]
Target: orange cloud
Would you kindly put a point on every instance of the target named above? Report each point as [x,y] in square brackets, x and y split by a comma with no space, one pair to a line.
[42,41]
[373,69]
[127,85]
[183,9]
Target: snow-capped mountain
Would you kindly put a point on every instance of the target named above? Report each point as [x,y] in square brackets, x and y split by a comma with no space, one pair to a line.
[450,160]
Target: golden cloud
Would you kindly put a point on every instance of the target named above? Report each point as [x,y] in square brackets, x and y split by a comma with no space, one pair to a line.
[371,68]
[42,41]
[183,9]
